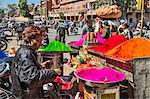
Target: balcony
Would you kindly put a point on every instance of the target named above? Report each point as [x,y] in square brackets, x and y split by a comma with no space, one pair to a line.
[55,6]
[91,0]
[74,7]
[67,1]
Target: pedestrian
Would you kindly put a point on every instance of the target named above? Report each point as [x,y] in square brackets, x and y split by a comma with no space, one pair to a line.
[66,24]
[81,23]
[127,32]
[61,31]
[45,41]
[107,31]
[27,76]
[120,28]
[88,27]
[97,25]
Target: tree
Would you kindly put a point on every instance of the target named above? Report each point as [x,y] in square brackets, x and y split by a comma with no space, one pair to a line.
[61,15]
[24,8]
[12,9]
[2,13]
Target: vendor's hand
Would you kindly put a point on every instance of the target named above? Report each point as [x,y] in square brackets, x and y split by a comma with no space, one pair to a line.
[46,64]
[58,71]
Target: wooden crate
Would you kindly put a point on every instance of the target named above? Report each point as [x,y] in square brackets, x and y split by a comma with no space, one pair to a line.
[122,66]
[120,63]
[55,57]
[99,58]
[109,93]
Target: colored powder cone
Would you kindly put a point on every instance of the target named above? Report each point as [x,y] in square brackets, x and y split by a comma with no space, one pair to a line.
[79,43]
[131,49]
[100,75]
[110,43]
[2,54]
[56,46]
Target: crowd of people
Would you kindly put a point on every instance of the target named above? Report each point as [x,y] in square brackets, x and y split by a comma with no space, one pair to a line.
[106,28]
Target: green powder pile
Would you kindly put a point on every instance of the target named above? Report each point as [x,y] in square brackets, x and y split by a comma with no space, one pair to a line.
[56,46]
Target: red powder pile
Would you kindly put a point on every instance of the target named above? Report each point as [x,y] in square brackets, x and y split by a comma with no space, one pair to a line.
[110,43]
[131,49]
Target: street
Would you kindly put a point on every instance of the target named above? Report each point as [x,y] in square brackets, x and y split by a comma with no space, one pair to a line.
[51,35]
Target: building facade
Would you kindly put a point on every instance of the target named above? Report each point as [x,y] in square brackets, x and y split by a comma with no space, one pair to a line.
[45,7]
[73,9]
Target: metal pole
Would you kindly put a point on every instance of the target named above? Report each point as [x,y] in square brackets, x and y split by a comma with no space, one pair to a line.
[142,15]
[47,8]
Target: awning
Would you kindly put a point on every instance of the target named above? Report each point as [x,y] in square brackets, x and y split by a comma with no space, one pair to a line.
[22,19]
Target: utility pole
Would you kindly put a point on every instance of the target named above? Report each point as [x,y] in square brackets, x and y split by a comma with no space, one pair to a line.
[142,15]
[47,1]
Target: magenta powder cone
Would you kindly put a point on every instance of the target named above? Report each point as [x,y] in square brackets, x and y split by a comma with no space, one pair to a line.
[100,75]
[79,43]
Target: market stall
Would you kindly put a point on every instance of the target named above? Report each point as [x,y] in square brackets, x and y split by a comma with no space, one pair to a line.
[136,51]
[54,52]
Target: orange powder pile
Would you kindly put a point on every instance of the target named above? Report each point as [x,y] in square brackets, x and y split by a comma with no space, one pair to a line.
[133,48]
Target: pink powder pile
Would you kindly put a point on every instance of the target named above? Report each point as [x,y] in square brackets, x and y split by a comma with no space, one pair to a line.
[79,43]
[103,75]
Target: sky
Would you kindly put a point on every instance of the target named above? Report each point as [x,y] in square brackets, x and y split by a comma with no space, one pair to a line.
[4,3]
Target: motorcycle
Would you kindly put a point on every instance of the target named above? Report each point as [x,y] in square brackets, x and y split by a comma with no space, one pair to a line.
[3,40]
[5,76]
[145,33]
[3,43]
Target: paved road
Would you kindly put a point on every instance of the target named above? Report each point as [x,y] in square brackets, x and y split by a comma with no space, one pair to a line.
[51,35]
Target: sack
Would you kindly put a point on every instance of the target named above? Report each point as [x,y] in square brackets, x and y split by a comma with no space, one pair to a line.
[107,11]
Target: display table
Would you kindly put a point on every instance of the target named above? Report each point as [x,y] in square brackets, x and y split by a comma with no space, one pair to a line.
[120,65]
[99,58]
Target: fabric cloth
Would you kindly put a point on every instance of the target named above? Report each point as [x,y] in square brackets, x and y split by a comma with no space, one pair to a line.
[27,77]
[2,54]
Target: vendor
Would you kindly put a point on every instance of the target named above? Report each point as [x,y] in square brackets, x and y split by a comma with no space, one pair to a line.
[27,77]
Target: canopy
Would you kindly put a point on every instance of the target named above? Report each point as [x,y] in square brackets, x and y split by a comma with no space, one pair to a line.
[22,19]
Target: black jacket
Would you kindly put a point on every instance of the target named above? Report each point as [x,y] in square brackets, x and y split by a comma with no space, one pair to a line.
[27,75]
